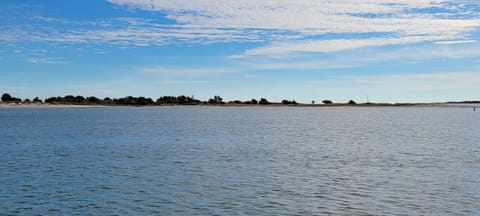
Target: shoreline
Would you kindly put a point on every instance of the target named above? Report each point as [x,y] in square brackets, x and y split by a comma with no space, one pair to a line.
[366,105]
[46,105]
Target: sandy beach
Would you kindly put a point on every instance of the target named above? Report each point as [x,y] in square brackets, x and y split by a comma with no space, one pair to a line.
[45,105]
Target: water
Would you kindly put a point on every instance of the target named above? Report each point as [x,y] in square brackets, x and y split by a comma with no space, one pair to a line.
[240,161]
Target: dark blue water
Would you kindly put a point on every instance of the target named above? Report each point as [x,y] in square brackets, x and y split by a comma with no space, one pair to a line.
[240,161]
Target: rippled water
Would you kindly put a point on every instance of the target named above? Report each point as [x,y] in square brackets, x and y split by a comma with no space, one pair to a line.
[240,161]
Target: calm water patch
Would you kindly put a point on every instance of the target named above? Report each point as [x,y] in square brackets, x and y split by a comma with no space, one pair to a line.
[240,161]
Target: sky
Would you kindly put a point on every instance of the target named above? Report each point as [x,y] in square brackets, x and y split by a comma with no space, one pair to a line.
[303,50]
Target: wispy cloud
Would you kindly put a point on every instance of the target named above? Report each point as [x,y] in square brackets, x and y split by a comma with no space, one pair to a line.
[122,31]
[45,61]
[187,71]
[418,82]
[50,19]
[363,58]
[457,42]
[335,45]
[409,21]
[183,82]
[294,25]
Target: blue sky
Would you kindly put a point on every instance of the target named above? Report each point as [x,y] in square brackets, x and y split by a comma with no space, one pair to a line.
[390,51]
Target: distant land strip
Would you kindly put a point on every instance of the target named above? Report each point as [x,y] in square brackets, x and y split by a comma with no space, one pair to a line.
[71,100]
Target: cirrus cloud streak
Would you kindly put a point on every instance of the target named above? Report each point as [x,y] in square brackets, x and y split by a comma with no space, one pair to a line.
[405,21]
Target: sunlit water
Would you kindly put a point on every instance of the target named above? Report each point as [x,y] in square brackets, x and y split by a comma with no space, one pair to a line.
[240,161]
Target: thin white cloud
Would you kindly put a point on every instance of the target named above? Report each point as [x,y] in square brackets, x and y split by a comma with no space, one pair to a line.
[318,16]
[352,59]
[187,72]
[183,82]
[409,21]
[456,42]
[335,45]
[45,61]
[129,33]
[51,19]
[364,57]
[418,82]
[293,25]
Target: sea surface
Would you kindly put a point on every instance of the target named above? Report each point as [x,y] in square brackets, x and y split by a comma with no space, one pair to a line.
[240,161]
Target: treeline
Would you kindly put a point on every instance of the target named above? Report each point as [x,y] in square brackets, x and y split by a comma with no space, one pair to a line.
[464,102]
[130,100]
[145,101]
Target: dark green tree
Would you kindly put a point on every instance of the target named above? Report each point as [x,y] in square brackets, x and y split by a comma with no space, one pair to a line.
[8,98]
[142,101]
[93,100]
[263,101]
[52,100]
[37,100]
[80,99]
[289,102]
[216,100]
